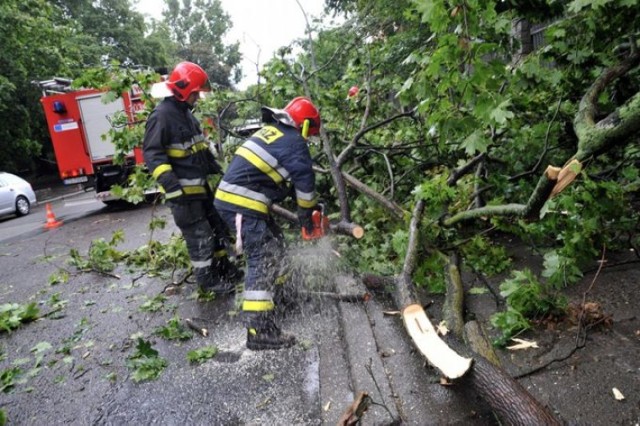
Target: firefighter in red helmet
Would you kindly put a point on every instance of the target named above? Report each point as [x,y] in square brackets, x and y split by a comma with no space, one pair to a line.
[180,159]
[257,177]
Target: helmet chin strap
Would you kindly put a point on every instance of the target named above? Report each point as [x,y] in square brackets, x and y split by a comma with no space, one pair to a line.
[305,129]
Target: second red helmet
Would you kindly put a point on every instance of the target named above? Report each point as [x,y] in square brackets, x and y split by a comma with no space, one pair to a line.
[187,78]
[301,109]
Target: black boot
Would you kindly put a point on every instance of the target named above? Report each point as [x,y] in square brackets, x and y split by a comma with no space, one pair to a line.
[226,270]
[271,338]
[220,288]
[224,277]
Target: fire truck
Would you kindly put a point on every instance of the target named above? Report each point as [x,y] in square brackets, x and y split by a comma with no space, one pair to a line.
[78,123]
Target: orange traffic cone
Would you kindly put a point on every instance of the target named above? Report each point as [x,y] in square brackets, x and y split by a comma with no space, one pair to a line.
[51,219]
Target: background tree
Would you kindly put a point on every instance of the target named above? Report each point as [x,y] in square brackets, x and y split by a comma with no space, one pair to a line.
[198,28]
[32,47]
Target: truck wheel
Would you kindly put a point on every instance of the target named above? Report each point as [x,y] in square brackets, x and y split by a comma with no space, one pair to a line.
[22,206]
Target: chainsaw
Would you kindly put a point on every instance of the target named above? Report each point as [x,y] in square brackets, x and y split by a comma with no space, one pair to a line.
[320,225]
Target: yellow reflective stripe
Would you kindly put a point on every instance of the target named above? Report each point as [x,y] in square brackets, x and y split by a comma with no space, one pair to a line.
[193,189]
[220,253]
[257,305]
[242,201]
[182,153]
[306,203]
[259,163]
[162,168]
[200,146]
[173,194]
[177,153]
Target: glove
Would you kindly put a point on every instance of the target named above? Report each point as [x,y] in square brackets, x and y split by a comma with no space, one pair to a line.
[215,168]
[304,217]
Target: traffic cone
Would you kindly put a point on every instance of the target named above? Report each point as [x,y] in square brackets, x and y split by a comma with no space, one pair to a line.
[51,219]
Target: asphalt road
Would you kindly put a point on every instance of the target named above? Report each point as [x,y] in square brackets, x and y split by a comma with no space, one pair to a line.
[73,363]
[65,208]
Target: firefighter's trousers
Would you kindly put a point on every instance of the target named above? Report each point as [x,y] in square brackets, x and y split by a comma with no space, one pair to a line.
[204,233]
[262,243]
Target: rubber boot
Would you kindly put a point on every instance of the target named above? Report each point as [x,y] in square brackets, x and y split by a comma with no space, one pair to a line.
[219,287]
[271,338]
[224,276]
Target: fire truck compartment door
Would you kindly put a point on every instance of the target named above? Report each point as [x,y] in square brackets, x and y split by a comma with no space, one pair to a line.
[95,122]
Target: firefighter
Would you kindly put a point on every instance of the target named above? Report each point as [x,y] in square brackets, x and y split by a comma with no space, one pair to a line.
[258,175]
[180,160]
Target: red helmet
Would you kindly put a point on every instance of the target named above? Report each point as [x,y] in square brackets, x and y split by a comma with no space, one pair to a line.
[301,109]
[187,78]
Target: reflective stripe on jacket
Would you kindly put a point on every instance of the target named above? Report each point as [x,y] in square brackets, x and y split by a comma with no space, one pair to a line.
[176,152]
[261,169]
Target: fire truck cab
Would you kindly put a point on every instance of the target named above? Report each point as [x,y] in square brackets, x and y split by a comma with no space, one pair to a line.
[78,123]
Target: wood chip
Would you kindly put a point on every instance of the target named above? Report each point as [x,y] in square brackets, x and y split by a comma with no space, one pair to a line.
[617,394]
[442,328]
[522,344]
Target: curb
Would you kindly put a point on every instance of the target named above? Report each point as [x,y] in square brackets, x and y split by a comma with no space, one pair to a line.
[49,198]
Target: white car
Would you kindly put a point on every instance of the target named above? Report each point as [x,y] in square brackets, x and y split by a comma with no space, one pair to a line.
[16,195]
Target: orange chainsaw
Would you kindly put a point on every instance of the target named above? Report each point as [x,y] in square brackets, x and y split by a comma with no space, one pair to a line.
[320,224]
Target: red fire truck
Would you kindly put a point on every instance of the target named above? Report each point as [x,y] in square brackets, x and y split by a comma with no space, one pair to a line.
[78,123]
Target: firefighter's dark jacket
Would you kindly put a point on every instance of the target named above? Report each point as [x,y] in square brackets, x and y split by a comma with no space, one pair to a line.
[261,169]
[176,152]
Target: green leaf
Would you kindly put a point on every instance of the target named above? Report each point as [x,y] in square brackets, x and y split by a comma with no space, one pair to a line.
[475,143]
[501,114]
[145,362]
[9,378]
[41,347]
[174,330]
[201,355]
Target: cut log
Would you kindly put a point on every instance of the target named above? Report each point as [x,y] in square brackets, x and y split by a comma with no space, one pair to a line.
[437,352]
[347,228]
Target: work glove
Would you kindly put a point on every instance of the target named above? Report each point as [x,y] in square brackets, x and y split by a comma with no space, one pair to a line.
[304,217]
[215,168]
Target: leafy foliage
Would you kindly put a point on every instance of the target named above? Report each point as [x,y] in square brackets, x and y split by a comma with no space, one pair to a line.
[59,277]
[154,304]
[526,298]
[198,356]
[12,315]
[174,330]
[9,378]
[145,362]
[102,255]
[157,256]
[486,257]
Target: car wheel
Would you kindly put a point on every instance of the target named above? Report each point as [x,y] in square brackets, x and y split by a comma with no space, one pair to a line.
[22,206]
